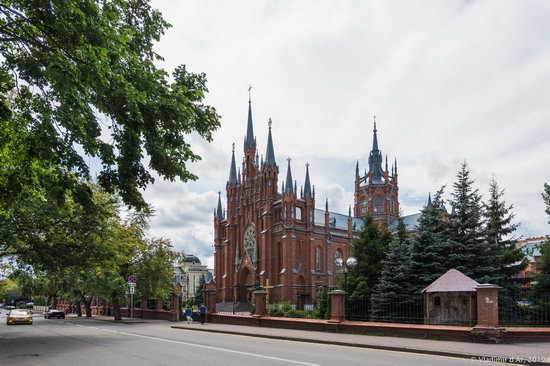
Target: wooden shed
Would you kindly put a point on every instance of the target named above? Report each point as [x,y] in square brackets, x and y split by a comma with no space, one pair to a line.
[450,300]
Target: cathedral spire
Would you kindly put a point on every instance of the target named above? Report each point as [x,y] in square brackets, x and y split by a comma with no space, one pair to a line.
[429,204]
[249,141]
[219,213]
[270,155]
[233,169]
[375,138]
[357,168]
[375,159]
[288,186]
[307,189]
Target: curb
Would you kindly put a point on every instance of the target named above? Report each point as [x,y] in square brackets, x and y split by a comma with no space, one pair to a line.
[473,357]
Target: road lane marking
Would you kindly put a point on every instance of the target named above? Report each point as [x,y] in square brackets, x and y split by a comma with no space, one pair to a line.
[197,345]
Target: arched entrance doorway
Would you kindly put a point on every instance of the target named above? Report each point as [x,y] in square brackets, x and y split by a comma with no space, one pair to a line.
[245,285]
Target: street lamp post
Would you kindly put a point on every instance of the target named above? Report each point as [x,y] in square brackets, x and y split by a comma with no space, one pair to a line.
[344,266]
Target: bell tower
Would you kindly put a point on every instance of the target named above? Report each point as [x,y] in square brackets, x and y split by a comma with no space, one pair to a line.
[376,192]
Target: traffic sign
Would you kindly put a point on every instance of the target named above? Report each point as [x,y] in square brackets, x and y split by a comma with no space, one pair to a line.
[132,279]
[132,290]
[132,285]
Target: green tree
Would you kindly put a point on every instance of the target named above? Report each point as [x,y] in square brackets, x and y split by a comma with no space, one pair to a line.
[430,247]
[370,250]
[542,287]
[505,256]
[393,296]
[78,70]
[470,253]
[154,269]
[9,290]
[199,298]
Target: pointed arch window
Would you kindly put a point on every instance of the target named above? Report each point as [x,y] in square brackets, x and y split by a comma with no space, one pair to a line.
[378,204]
[318,259]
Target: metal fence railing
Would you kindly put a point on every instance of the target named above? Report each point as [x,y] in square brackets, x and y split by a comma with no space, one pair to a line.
[396,310]
[289,310]
[528,311]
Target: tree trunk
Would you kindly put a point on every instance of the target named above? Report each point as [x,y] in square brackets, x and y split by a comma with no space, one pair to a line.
[54,302]
[115,303]
[78,309]
[87,307]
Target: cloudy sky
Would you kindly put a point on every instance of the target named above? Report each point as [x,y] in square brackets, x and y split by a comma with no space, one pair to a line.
[448,81]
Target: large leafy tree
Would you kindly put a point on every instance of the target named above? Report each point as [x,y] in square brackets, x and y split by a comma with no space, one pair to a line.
[393,295]
[154,268]
[80,79]
[505,256]
[470,253]
[370,248]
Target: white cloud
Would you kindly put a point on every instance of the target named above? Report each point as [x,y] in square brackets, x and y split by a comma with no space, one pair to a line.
[448,81]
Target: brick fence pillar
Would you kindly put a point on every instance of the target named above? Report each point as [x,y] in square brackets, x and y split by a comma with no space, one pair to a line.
[487,328]
[337,305]
[210,300]
[260,297]
[176,307]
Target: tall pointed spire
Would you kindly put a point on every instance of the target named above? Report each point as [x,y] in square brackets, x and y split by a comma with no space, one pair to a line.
[375,159]
[375,137]
[233,169]
[270,155]
[429,204]
[219,213]
[288,185]
[307,184]
[249,141]
[357,168]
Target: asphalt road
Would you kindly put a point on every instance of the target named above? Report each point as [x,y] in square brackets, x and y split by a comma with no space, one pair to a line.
[90,342]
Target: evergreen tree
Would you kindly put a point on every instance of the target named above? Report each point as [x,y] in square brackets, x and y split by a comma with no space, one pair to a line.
[542,287]
[506,257]
[370,249]
[392,296]
[430,247]
[199,299]
[469,252]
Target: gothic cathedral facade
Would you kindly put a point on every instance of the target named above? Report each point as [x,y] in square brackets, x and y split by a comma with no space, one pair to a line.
[278,239]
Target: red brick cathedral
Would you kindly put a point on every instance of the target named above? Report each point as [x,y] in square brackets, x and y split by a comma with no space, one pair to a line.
[278,239]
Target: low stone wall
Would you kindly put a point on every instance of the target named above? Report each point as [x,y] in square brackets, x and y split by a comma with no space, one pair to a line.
[442,332]
[149,314]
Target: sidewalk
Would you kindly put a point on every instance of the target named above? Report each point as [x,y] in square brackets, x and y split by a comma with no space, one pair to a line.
[112,320]
[527,353]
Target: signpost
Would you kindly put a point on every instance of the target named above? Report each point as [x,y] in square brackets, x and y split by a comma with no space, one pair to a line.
[132,279]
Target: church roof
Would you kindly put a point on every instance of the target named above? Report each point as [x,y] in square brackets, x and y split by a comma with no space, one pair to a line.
[452,281]
[336,220]
[410,221]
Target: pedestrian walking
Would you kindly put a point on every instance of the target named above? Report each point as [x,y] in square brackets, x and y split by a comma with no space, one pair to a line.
[189,315]
[202,313]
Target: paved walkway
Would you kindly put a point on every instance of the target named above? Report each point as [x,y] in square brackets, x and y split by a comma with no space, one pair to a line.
[529,353]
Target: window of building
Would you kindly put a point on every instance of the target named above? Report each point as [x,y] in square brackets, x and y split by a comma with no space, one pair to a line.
[310,215]
[279,257]
[338,254]
[318,259]
[299,214]
[378,204]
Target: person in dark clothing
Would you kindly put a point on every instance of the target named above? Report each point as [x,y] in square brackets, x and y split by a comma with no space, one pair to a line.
[202,313]
[189,315]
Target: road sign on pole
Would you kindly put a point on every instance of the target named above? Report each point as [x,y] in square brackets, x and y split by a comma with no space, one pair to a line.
[132,279]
